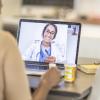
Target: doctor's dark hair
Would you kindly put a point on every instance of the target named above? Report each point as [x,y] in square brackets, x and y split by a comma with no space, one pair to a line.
[47,26]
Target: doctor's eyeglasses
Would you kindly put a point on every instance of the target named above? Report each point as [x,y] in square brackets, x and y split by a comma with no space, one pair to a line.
[50,32]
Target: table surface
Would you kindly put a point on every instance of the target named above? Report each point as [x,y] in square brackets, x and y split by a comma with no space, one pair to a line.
[80,88]
[84,60]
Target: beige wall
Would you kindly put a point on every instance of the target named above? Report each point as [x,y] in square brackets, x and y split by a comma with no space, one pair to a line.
[11,7]
[88,7]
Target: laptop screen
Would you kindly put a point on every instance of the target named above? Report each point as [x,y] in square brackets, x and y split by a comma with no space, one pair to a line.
[44,41]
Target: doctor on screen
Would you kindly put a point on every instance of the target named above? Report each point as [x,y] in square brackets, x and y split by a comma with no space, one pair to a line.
[45,50]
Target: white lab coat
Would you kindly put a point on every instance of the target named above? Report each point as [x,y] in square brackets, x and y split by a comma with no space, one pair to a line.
[33,52]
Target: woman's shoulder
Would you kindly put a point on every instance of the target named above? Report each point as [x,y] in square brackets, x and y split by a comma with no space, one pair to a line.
[7,43]
[6,39]
[6,36]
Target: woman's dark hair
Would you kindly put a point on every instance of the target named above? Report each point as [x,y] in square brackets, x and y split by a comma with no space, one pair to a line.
[47,26]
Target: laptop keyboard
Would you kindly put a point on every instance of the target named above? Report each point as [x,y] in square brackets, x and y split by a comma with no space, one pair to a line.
[38,68]
[36,65]
[40,65]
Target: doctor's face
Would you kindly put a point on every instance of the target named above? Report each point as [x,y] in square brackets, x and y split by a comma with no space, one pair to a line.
[49,33]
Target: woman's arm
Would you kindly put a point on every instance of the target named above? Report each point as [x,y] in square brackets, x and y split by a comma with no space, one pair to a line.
[15,81]
[49,80]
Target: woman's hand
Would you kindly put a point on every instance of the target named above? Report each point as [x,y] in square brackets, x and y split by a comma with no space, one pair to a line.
[50,59]
[51,78]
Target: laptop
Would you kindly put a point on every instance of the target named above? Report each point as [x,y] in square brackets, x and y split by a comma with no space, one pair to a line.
[42,42]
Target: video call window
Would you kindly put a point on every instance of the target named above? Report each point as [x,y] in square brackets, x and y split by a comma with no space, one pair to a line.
[37,41]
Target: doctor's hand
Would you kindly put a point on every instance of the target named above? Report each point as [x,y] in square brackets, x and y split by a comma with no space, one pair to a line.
[51,78]
[50,59]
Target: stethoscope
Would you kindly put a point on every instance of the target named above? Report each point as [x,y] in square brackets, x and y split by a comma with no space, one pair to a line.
[41,53]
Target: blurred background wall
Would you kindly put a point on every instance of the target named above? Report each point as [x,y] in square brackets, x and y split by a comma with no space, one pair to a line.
[90,34]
